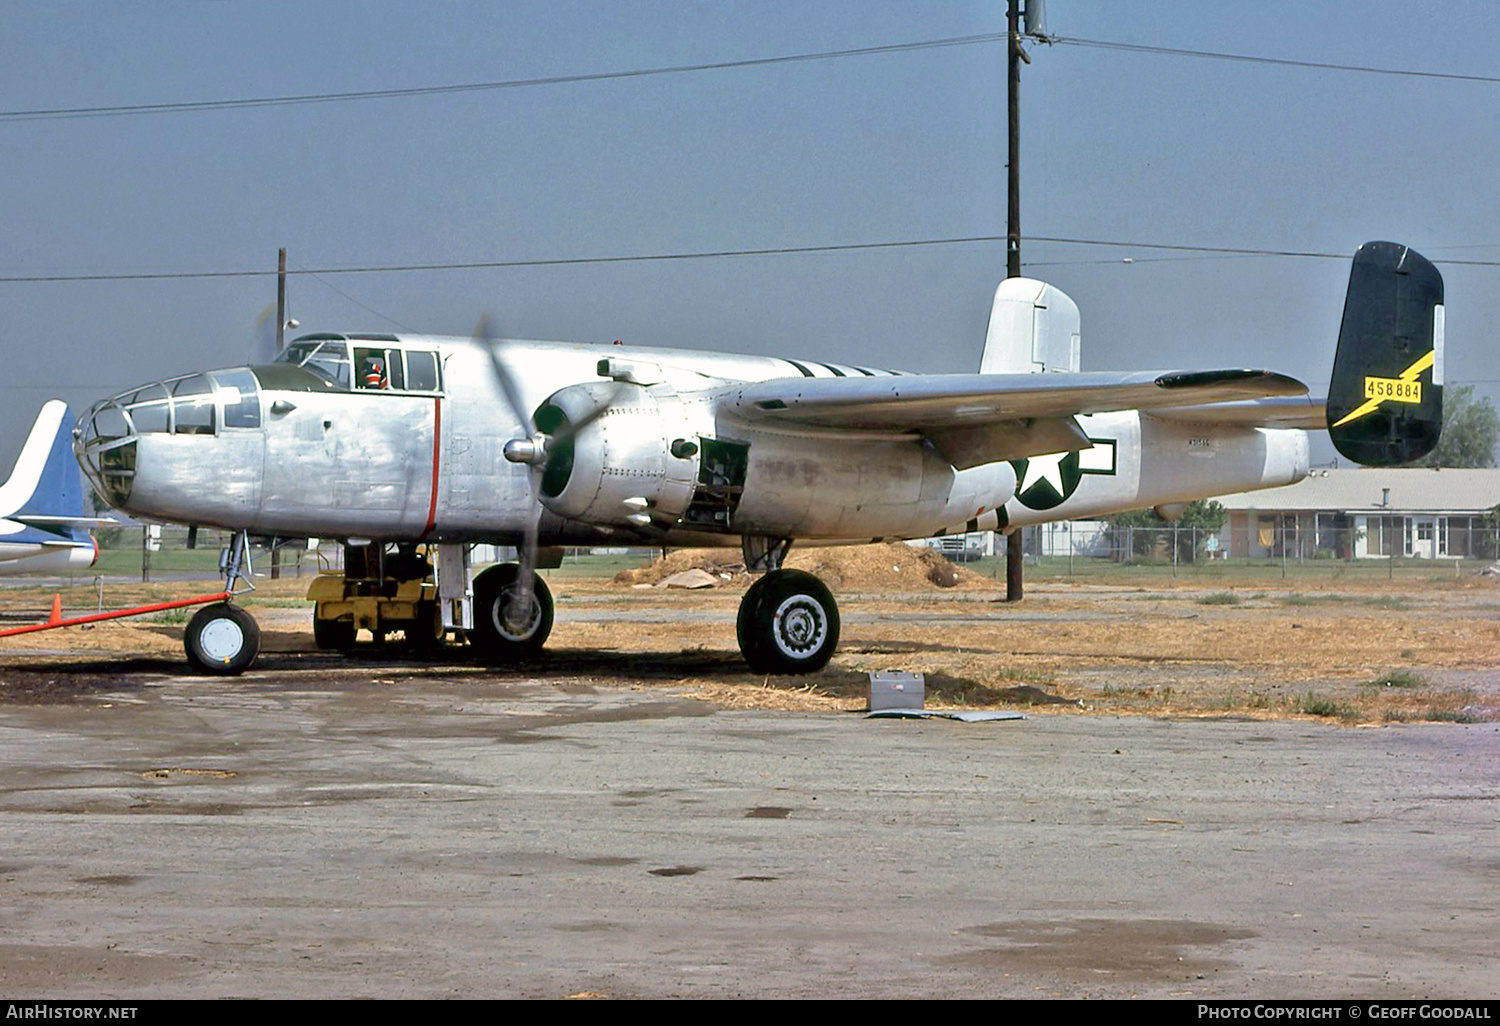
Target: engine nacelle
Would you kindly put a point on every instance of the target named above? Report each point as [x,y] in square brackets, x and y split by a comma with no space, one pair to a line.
[634,464]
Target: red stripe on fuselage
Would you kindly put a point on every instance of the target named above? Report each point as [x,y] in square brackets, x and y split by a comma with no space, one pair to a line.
[437,450]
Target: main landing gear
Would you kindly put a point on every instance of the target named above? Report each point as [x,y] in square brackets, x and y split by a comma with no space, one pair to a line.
[501,633]
[788,621]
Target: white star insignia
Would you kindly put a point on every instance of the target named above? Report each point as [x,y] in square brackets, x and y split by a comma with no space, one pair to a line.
[1044,468]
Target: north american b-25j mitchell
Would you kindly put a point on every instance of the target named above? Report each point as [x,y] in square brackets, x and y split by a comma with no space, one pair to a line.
[400,444]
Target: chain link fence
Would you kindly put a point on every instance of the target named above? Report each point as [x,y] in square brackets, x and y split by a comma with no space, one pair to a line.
[1341,545]
[1251,545]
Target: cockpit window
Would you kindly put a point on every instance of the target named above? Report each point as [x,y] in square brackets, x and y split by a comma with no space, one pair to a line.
[326,359]
[240,396]
[193,405]
[422,371]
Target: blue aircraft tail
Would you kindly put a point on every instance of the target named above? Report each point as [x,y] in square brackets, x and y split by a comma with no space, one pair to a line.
[44,490]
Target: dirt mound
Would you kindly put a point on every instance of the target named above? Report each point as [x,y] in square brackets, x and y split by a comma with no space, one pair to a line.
[888,567]
[724,564]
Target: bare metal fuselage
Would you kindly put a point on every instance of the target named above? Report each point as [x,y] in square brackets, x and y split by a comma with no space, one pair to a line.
[407,465]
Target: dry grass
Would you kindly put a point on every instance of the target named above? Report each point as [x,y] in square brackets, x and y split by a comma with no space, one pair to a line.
[1352,655]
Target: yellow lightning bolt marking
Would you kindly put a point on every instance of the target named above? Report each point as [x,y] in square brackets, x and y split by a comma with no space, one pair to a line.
[1371,405]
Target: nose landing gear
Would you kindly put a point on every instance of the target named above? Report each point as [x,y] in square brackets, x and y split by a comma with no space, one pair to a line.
[222,639]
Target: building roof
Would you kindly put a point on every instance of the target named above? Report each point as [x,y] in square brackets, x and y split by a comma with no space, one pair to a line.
[1363,490]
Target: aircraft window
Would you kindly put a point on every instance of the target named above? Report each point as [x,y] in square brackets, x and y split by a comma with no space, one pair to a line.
[193,384]
[193,407]
[150,417]
[237,389]
[370,366]
[393,368]
[328,359]
[148,409]
[109,422]
[422,370]
[148,394]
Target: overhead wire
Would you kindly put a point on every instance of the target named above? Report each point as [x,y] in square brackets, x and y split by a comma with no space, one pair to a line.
[241,103]
[124,110]
[474,265]
[1169,51]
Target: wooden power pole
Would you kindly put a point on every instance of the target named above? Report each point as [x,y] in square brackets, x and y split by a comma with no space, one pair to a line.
[1014,553]
[280,345]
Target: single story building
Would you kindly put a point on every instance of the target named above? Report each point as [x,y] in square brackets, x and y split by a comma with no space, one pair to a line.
[1368,513]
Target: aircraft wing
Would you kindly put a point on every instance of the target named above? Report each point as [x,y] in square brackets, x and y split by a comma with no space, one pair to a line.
[980,418]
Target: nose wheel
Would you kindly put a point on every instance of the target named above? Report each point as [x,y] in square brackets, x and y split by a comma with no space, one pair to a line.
[788,623]
[221,640]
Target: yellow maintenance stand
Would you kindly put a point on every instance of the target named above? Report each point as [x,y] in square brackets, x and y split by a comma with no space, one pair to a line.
[381,590]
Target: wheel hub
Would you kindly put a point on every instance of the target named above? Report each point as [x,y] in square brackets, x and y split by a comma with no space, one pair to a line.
[222,640]
[800,625]
[515,624]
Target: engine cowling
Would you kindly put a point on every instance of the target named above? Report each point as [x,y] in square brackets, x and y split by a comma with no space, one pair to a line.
[634,464]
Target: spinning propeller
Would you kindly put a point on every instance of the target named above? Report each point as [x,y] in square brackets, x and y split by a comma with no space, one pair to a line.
[535,449]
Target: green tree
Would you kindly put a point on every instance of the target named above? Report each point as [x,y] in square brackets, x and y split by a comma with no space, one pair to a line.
[1152,536]
[1471,428]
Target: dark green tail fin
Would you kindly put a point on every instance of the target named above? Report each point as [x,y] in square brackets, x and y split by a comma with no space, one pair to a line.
[1385,402]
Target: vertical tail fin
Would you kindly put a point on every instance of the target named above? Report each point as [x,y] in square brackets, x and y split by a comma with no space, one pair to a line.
[45,481]
[1385,400]
[1033,328]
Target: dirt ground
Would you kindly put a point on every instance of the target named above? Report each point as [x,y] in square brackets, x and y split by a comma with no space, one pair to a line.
[1360,653]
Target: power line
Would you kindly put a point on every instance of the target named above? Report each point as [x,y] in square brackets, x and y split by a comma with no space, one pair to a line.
[62,113]
[363,306]
[188,106]
[479,265]
[1104,44]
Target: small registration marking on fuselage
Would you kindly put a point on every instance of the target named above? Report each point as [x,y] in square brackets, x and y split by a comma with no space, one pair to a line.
[1393,389]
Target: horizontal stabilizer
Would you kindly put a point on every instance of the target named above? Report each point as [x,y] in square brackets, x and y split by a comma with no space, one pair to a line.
[1385,400]
[36,520]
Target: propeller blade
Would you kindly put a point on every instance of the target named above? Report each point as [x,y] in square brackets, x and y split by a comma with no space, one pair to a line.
[485,336]
[518,606]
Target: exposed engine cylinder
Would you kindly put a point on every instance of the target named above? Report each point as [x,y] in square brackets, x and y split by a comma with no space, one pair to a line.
[620,467]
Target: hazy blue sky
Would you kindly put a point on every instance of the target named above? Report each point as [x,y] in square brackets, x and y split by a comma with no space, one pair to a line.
[1116,146]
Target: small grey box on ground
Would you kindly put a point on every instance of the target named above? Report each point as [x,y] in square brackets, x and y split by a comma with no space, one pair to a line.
[897,689]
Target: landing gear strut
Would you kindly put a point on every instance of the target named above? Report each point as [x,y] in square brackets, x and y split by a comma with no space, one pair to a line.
[222,639]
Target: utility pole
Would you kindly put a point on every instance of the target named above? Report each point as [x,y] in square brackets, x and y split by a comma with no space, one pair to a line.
[1014,552]
[281,300]
[280,345]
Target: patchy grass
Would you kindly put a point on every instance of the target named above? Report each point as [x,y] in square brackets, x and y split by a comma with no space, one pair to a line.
[1313,704]
[1299,599]
[1220,598]
[1379,601]
[1398,678]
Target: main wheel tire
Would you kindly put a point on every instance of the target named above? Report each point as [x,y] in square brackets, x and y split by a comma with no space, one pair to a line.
[788,623]
[491,636]
[333,635]
[222,640]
